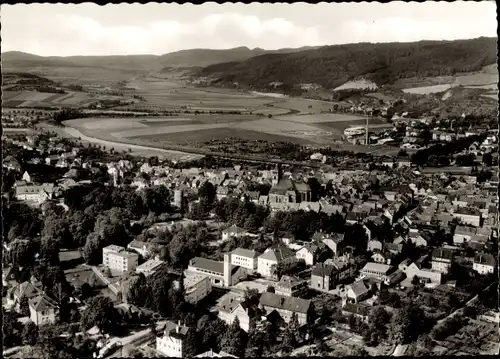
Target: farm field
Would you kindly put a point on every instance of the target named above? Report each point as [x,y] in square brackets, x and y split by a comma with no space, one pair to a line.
[428,89]
[43,99]
[191,137]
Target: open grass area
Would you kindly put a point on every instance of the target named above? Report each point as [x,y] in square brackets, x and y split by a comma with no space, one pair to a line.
[44,99]
[191,137]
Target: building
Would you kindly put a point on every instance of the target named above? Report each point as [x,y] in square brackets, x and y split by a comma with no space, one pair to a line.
[220,273]
[26,289]
[233,231]
[362,289]
[468,216]
[42,310]
[245,258]
[441,260]
[290,286]
[286,306]
[150,267]
[212,354]
[420,269]
[324,277]
[172,342]
[119,259]
[139,247]
[484,263]
[197,287]
[213,269]
[308,253]
[269,260]
[357,310]
[377,270]
[463,234]
[35,194]
[374,244]
[232,307]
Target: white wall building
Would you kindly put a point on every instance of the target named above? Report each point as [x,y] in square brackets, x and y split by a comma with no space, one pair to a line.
[117,258]
[484,263]
[42,310]
[274,256]
[245,258]
[172,342]
[197,287]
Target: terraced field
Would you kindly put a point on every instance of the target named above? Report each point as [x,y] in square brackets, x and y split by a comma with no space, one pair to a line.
[44,99]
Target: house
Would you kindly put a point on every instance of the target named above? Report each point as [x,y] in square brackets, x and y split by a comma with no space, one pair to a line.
[290,286]
[245,258]
[310,252]
[359,291]
[11,164]
[463,234]
[379,256]
[42,310]
[150,267]
[222,192]
[334,241]
[196,287]
[383,272]
[232,307]
[119,259]
[286,306]
[441,260]
[173,341]
[25,289]
[484,263]
[35,194]
[417,238]
[233,232]
[324,277]
[358,310]
[420,269]
[213,269]
[139,247]
[374,244]
[212,354]
[269,260]
[9,275]
[468,216]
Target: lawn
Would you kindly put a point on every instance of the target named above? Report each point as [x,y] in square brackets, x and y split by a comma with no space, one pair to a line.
[221,133]
[427,89]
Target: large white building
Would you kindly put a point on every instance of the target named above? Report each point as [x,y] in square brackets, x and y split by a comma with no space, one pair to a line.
[117,258]
[272,257]
[173,341]
[149,267]
[245,258]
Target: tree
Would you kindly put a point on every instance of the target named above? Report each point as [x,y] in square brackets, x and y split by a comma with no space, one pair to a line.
[100,312]
[415,280]
[24,306]
[191,343]
[138,291]
[232,340]
[487,159]
[30,333]
[12,329]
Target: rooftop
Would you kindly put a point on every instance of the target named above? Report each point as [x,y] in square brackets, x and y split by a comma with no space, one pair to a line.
[292,304]
[377,267]
[245,253]
[207,264]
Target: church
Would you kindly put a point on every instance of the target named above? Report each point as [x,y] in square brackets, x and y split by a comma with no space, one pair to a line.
[286,190]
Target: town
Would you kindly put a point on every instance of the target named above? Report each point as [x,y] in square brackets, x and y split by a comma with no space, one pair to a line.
[108,254]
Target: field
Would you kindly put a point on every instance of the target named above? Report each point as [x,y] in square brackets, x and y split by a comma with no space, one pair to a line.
[359,84]
[44,99]
[319,129]
[428,89]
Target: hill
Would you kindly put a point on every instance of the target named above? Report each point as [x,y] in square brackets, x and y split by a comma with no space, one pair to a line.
[382,63]
[19,61]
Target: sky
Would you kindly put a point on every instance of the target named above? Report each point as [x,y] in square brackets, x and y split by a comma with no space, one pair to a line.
[123,29]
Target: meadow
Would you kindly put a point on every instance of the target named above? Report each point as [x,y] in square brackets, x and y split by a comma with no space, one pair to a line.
[44,99]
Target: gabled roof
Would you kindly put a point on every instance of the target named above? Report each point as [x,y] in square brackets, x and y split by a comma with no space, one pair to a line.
[292,304]
[359,288]
[245,253]
[171,329]
[234,229]
[358,309]
[41,303]
[207,264]
[442,253]
[485,259]
[26,289]
[322,270]
[277,254]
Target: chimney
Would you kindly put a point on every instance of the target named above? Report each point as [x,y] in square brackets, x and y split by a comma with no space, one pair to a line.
[178,327]
[282,301]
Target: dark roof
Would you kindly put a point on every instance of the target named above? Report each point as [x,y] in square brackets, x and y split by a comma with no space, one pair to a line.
[442,253]
[485,258]
[322,270]
[278,253]
[292,304]
[41,303]
[358,309]
[234,229]
[171,329]
[207,264]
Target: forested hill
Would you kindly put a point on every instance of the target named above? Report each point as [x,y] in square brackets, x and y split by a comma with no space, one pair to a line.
[383,63]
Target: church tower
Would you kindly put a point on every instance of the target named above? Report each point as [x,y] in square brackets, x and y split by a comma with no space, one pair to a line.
[227,270]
